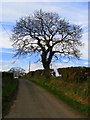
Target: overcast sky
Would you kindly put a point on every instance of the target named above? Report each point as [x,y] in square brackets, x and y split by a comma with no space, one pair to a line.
[75,12]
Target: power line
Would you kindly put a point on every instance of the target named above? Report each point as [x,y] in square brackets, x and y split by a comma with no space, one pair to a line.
[29,65]
[5,30]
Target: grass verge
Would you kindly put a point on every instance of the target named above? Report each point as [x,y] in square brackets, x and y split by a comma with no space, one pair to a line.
[84,108]
[9,91]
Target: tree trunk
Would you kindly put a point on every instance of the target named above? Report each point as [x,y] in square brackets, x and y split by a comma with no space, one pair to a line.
[46,63]
[46,69]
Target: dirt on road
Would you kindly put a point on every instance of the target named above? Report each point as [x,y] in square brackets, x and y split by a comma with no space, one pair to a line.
[35,102]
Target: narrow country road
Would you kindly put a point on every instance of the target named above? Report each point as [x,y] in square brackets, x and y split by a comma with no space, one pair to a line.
[35,102]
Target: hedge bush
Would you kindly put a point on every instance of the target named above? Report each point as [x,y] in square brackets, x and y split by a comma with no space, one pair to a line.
[7,74]
[76,74]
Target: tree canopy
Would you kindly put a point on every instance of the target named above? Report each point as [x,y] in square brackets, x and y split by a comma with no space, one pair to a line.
[47,33]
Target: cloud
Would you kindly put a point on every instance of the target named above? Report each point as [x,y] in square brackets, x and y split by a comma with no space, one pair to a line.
[5,39]
[5,51]
[5,42]
[12,11]
[7,64]
[84,49]
[87,63]
[35,66]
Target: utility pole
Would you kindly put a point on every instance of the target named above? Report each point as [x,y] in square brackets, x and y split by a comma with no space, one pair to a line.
[51,65]
[29,66]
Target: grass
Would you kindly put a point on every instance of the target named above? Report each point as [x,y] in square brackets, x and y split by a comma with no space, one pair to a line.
[9,87]
[74,94]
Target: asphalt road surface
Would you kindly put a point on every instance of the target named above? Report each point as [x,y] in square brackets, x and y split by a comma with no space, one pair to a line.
[35,102]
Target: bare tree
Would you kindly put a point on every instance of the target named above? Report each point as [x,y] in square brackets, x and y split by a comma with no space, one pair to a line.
[47,33]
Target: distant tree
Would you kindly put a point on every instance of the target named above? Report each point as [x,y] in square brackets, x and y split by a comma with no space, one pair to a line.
[47,33]
[20,70]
